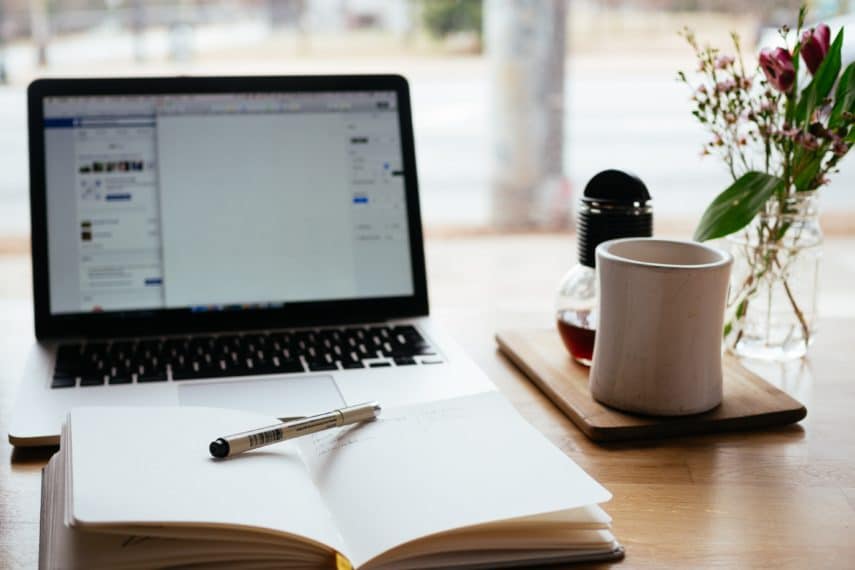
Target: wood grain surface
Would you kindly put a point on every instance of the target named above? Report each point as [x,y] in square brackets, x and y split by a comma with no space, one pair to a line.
[749,402]
[781,497]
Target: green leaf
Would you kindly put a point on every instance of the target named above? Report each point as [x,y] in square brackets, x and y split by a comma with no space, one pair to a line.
[740,310]
[737,205]
[807,172]
[822,82]
[806,165]
[844,97]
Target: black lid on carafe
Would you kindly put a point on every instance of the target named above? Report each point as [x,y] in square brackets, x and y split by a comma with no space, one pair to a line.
[614,205]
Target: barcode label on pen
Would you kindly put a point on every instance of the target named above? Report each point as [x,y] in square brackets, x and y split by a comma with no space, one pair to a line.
[265,437]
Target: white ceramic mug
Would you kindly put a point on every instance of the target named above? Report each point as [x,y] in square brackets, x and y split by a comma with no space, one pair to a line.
[659,339]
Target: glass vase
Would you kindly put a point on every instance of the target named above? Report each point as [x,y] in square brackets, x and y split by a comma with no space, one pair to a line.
[772,302]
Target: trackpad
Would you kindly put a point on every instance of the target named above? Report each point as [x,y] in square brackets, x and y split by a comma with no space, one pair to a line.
[277,397]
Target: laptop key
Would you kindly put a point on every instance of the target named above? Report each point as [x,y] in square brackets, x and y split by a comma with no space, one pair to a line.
[184,374]
[350,364]
[264,367]
[379,364]
[246,372]
[94,352]
[93,380]
[287,366]
[201,372]
[406,330]
[152,376]
[322,366]
[120,379]
[232,341]
[63,382]
[405,360]
[69,357]
[221,364]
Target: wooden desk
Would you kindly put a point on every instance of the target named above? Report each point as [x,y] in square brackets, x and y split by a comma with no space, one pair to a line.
[782,498]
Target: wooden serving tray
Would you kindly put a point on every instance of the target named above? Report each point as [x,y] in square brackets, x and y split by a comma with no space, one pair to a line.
[749,401]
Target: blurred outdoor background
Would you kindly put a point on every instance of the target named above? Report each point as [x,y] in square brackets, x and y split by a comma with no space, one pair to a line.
[516,104]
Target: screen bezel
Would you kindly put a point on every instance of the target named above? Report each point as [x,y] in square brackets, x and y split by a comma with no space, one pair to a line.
[173,321]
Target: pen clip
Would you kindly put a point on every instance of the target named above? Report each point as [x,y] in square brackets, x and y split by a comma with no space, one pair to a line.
[287,419]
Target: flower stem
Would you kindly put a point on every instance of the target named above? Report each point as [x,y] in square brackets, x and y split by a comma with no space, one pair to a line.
[796,309]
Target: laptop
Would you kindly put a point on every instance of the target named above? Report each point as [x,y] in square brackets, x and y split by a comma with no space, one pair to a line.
[237,242]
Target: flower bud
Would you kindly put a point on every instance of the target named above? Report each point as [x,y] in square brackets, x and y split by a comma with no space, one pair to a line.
[777,64]
[815,44]
[723,61]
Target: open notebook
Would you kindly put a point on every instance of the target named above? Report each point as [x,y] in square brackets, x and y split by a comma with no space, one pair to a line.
[460,483]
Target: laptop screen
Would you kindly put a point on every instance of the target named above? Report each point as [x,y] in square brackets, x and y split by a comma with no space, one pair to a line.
[224,201]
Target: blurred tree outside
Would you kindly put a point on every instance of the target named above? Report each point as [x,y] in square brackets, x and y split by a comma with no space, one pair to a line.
[526,46]
[2,44]
[442,18]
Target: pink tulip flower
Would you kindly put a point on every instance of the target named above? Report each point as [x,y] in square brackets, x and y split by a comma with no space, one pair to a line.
[815,44]
[777,64]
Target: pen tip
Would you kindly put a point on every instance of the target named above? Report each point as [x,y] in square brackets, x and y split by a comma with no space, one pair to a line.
[219,448]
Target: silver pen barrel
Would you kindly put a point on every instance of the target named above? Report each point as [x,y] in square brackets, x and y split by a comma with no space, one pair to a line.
[253,439]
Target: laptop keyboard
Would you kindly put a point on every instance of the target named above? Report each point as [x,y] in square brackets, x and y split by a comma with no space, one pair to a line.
[231,355]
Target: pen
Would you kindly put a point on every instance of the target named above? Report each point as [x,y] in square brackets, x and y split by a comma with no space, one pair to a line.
[252,439]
